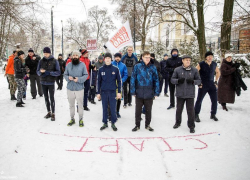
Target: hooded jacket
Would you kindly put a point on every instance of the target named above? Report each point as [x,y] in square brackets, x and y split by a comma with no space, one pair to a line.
[173,63]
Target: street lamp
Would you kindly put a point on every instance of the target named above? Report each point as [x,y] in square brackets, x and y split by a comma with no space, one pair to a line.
[62,37]
[52,30]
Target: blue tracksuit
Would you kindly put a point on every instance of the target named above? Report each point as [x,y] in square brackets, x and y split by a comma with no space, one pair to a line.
[109,79]
[207,77]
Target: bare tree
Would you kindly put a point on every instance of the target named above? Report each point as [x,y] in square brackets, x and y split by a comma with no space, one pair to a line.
[100,24]
[142,11]
[191,13]
[226,26]
[79,32]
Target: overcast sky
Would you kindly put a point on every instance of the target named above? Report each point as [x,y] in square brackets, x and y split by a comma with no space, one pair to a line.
[65,9]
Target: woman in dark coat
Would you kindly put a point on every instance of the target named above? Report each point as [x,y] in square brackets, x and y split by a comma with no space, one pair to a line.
[226,91]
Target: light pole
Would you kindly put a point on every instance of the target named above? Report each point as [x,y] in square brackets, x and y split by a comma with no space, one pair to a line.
[134,27]
[52,31]
[62,37]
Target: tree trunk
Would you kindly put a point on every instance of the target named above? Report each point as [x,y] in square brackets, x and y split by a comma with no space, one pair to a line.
[226,26]
[201,29]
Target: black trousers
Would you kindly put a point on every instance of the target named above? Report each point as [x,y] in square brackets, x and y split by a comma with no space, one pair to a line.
[138,109]
[190,111]
[126,90]
[92,93]
[59,81]
[35,81]
[49,91]
[172,91]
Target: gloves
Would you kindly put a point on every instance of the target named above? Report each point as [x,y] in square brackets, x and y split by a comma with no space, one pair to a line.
[181,81]
[190,81]
[236,65]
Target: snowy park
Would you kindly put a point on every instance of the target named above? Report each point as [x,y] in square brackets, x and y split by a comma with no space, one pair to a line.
[36,148]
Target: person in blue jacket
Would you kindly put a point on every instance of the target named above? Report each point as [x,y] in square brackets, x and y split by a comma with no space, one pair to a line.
[48,69]
[109,79]
[124,75]
[145,87]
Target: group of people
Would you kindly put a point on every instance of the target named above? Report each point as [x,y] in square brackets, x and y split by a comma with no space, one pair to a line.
[122,78]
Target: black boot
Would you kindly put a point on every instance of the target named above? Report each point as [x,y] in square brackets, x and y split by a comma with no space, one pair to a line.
[22,102]
[214,117]
[93,102]
[18,104]
[192,130]
[176,126]
[13,97]
[85,108]
[224,107]
[197,119]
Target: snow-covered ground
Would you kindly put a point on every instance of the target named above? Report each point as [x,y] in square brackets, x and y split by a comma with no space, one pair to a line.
[34,148]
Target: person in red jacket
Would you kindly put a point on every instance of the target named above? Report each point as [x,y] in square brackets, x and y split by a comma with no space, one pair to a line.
[84,58]
[9,71]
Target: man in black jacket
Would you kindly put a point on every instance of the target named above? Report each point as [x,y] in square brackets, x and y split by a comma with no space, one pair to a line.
[172,63]
[59,79]
[31,61]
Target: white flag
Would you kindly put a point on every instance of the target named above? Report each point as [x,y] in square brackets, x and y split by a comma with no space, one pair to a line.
[120,39]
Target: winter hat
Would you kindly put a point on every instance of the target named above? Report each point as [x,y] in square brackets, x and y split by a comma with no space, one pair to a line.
[100,57]
[152,55]
[83,51]
[30,50]
[186,56]
[60,55]
[46,50]
[75,53]
[228,55]
[108,55]
[208,54]
[165,55]
[14,51]
[118,55]
[174,50]
[20,53]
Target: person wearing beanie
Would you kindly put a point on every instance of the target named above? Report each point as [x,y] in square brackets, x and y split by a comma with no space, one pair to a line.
[172,63]
[31,61]
[75,74]
[226,89]
[130,60]
[99,62]
[20,72]
[48,69]
[59,79]
[68,58]
[207,70]
[185,78]
[124,75]
[165,75]
[109,80]
[10,73]
[84,58]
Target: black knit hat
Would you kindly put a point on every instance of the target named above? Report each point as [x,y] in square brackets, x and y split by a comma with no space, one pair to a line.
[46,50]
[30,50]
[59,54]
[152,55]
[20,53]
[118,55]
[108,55]
[14,51]
[208,54]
